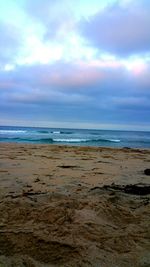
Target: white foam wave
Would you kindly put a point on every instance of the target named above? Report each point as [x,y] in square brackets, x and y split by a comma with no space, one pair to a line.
[11,131]
[78,140]
[114,140]
[56,132]
[71,140]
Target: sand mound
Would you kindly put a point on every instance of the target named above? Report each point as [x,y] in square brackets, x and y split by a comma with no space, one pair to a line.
[98,228]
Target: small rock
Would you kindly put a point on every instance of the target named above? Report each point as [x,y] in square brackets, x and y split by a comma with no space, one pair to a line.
[37,180]
[147,171]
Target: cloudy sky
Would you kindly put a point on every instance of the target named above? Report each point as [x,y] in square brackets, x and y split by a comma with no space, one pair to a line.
[75,63]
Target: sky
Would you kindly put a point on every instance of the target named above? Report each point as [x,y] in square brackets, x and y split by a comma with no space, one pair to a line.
[75,63]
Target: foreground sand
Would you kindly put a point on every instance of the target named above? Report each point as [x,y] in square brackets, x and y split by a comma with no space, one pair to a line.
[56,211]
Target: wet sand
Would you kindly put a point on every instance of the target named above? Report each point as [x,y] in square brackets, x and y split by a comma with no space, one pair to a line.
[56,211]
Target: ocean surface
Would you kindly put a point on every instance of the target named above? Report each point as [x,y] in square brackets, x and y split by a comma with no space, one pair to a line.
[105,138]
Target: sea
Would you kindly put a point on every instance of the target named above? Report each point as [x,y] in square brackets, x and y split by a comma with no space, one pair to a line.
[79,137]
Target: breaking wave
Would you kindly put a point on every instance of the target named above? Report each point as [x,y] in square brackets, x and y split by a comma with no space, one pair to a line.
[61,132]
[78,140]
[12,131]
[53,132]
[59,140]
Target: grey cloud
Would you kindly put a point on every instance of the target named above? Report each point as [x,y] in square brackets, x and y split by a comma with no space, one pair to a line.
[39,97]
[111,97]
[41,84]
[120,30]
[132,102]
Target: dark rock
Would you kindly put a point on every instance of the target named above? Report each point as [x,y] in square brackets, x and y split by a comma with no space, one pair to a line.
[67,166]
[136,189]
[94,188]
[147,171]
[37,180]
[31,193]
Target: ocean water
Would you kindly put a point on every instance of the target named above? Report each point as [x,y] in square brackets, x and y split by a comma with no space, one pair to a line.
[105,138]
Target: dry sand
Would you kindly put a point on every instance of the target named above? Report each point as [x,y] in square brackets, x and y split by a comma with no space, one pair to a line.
[55,210]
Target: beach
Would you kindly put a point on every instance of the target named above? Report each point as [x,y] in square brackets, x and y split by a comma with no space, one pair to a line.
[72,206]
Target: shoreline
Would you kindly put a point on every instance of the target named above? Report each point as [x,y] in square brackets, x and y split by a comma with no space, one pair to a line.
[60,206]
[73,145]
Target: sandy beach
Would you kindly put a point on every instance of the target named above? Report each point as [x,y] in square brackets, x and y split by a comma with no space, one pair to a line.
[71,206]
